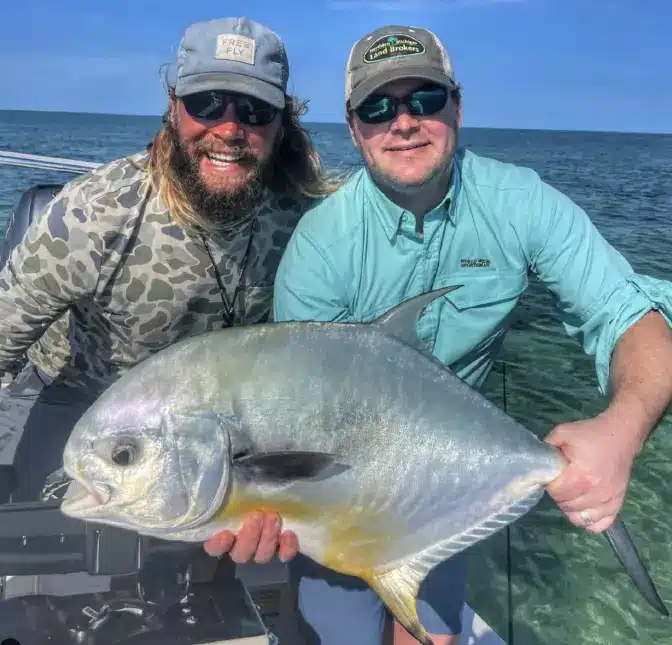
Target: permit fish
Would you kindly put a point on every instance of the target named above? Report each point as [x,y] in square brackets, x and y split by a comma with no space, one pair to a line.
[381,460]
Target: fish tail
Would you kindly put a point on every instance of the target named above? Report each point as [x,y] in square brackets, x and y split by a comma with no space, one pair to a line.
[398,590]
[618,537]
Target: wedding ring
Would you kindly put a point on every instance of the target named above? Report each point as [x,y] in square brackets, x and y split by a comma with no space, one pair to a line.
[585,517]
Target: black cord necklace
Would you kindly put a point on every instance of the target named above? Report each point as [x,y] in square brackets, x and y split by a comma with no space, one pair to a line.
[229,308]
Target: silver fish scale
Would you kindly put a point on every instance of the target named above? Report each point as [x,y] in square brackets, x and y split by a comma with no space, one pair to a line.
[426,453]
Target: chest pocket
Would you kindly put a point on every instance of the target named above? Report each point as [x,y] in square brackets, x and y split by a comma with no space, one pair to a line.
[472,319]
[485,291]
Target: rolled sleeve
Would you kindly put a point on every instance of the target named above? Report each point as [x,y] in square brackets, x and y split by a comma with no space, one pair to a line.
[598,294]
[632,299]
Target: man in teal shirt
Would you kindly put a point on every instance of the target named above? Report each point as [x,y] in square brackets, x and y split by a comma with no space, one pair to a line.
[423,214]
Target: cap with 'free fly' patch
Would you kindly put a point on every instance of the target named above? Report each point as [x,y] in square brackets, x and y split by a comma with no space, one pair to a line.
[234,54]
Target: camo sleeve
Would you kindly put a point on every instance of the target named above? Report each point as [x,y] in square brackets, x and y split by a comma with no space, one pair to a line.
[56,263]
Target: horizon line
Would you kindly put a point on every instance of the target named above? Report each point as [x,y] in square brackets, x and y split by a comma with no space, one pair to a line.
[342,123]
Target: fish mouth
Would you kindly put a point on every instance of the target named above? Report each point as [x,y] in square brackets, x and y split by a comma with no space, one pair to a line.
[84,497]
[89,501]
[80,501]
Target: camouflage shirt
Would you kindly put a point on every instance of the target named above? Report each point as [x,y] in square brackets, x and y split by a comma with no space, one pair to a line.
[104,277]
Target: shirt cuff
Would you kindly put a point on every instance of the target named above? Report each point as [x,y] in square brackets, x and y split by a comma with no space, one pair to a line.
[637,296]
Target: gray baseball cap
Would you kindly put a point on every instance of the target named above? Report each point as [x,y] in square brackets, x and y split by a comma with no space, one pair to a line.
[393,52]
[235,54]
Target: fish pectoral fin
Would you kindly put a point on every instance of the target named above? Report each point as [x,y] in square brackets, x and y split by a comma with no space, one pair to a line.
[398,591]
[288,466]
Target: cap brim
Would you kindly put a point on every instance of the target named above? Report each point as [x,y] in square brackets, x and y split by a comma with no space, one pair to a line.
[233,83]
[370,85]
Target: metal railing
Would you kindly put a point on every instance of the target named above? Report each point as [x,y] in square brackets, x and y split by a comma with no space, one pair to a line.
[41,162]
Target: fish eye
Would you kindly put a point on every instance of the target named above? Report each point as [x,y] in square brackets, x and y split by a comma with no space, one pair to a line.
[123,454]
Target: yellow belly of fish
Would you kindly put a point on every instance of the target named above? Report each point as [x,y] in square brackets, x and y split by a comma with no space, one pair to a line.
[350,544]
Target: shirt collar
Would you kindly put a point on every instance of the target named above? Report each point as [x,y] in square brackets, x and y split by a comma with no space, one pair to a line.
[390,214]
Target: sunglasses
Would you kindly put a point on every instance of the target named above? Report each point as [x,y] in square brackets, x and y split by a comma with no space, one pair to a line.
[211,106]
[424,101]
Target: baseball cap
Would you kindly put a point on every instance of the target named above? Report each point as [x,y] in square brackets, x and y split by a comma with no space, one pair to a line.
[235,54]
[393,52]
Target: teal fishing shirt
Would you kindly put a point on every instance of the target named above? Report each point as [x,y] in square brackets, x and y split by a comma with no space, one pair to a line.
[357,254]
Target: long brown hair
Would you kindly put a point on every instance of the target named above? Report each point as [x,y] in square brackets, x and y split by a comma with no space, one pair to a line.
[294,171]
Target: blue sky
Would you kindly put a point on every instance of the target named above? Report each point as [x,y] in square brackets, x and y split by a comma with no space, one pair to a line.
[557,64]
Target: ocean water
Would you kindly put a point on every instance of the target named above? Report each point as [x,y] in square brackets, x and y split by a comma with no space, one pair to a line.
[555,584]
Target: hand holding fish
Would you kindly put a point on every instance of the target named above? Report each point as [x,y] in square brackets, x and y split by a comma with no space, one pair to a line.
[259,538]
[592,489]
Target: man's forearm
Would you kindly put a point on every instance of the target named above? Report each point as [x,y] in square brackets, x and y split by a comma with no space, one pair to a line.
[22,321]
[49,270]
[641,378]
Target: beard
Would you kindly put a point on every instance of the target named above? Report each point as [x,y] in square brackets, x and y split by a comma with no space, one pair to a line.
[229,204]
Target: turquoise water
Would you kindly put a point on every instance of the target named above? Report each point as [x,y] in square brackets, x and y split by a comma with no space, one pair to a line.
[566,586]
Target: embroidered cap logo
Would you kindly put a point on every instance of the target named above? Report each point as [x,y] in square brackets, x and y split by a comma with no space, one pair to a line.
[393,46]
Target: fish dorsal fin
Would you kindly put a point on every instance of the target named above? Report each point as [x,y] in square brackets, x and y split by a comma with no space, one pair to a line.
[399,322]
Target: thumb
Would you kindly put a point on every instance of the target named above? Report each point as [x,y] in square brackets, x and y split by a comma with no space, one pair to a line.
[559,436]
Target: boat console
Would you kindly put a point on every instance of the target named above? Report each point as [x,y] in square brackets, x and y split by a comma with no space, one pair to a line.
[67,581]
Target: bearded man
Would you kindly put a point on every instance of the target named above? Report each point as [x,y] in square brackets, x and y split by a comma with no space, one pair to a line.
[182,238]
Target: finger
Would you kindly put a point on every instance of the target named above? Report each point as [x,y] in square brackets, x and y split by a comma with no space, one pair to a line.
[579,520]
[598,510]
[219,544]
[558,436]
[602,525]
[600,522]
[270,537]
[247,539]
[592,516]
[593,499]
[289,546]
[569,486]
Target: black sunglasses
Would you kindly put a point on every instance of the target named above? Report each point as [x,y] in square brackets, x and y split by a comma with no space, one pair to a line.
[211,106]
[424,101]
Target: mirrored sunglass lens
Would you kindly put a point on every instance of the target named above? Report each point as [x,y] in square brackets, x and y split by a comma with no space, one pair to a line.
[376,110]
[425,102]
[253,111]
[212,106]
[204,105]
